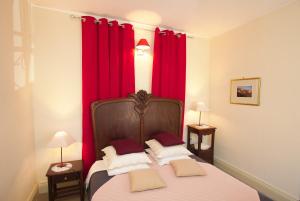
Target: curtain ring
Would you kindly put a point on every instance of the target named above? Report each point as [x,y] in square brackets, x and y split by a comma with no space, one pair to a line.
[96,21]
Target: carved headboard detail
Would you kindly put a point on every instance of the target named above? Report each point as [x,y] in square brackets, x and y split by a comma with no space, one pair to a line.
[136,117]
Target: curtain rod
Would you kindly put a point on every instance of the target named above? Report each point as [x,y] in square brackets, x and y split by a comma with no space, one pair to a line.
[147,27]
[138,25]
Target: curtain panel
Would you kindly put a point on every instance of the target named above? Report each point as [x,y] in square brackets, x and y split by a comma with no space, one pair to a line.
[107,71]
[169,65]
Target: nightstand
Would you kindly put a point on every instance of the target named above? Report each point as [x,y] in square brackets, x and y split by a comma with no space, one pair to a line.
[69,182]
[208,154]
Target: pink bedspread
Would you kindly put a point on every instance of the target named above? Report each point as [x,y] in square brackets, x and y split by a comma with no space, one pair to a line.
[215,186]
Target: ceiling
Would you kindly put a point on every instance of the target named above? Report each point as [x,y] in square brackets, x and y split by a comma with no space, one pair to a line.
[205,18]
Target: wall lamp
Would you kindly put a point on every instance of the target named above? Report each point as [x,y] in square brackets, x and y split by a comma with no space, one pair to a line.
[142,46]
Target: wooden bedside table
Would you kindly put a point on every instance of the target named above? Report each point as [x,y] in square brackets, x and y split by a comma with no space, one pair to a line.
[69,182]
[207,155]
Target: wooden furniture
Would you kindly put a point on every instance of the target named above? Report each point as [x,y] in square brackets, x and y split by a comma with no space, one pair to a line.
[207,155]
[69,182]
[136,117]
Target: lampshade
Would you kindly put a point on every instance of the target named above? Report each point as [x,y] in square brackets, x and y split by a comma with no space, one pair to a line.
[61,139]
[201,107]
[143,45]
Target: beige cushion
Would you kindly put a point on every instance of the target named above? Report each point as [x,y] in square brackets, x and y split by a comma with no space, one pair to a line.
[187,167]
[146,179]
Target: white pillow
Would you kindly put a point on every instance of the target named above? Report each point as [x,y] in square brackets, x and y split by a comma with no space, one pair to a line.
[166,160]
[118,161]
[162,152]
[126,169]
[110,152]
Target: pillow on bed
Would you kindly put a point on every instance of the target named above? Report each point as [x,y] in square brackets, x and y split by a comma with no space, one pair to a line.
[110,152]
[117,161]
[147,179]
[187,167]
[166,160]
[162,152]
[125,169]
[167,139]
[126,146]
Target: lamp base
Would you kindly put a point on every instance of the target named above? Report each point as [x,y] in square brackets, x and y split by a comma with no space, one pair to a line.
[202,126]
[61,167]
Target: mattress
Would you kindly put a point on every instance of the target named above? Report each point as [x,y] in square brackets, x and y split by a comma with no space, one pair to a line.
[99,188]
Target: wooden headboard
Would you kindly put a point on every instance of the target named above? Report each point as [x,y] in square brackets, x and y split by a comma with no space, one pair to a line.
[136,117]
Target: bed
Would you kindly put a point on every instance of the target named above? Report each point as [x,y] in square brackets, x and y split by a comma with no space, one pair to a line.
[138,117]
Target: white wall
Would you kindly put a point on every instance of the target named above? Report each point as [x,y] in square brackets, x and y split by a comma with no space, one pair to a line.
[57,86]
[17,166]
[262,141]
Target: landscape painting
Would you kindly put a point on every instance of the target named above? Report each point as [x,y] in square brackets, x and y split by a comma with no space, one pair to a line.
[245,91]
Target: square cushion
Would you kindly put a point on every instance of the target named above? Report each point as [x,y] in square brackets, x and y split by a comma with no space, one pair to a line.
[187,167]
[167,139]
[126,146]
[146,179]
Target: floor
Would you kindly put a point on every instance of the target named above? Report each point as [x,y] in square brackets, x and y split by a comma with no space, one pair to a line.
[44,197]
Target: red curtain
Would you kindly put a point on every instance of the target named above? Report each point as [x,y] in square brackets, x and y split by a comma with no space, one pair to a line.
[169,65]
[107,71]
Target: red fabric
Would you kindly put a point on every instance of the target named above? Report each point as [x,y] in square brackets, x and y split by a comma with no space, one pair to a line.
[89,87]
[103,55]
[107,63]
[143,42]
[126,146]
[127,60]
[169,65]
[114,54]
[167,139]
[156,70]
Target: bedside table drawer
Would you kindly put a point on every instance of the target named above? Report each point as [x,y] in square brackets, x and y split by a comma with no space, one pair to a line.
[203,132]
[67,177]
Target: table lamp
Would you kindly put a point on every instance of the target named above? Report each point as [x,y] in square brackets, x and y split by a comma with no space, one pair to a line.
[61,139]
[201,107]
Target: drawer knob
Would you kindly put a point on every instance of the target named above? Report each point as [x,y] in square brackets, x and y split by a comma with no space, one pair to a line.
[65,178]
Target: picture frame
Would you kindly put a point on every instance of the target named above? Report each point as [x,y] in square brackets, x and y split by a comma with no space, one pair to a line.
[245,91]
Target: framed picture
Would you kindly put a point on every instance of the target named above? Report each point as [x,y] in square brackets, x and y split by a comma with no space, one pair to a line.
[245,91]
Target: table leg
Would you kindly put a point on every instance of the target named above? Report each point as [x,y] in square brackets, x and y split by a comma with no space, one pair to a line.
[189,139]
[212,147]
[199,143]
[82,188]
[50,189]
